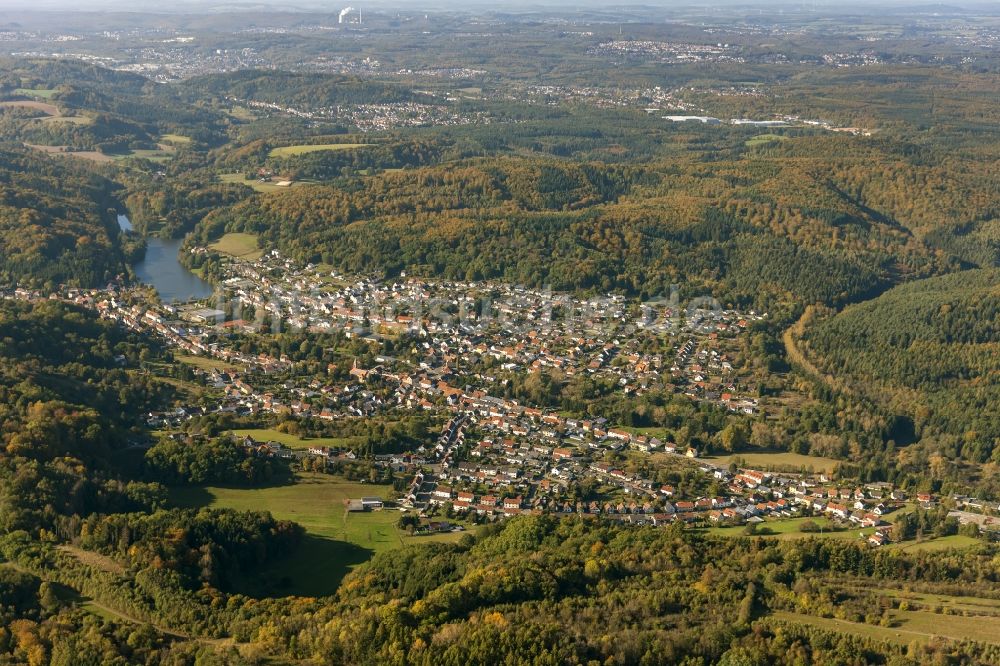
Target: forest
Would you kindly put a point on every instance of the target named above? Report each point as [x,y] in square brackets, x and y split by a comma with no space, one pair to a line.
[55,223]
[927,349]
[751,232]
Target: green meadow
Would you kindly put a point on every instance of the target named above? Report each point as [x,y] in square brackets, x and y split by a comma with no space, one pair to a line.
[302,149]
[336,540]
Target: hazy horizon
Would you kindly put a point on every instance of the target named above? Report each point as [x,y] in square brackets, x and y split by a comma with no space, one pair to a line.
[313,6]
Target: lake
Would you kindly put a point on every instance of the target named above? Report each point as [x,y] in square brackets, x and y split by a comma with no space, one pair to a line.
[160,268]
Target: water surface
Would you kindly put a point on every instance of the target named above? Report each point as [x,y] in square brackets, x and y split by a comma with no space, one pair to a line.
[161,269]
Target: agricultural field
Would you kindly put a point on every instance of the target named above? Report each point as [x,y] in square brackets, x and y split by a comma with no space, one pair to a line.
[302,149]
[44,107]
[242,246]
[336,541]
[777,461]
[54,115]
[157,155]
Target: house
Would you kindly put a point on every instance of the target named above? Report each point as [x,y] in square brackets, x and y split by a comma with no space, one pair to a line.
[751,478]
[838,510]
[510,503]
[372,503]
[870,520]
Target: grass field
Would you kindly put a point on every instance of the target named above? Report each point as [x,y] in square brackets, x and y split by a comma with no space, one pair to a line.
[158,155]
[258,186]
[242,113]
[175,138]
[791,528]
[337,541]
[203,362]
[762,139]
[323,272]
[301,149]
[925,600]
[909,626]
[91,155]
[888,634]
[291,441]
[186,388]
[778,460]
[76,120]
[243,246]
[940,543]
[44,93]
[649,432]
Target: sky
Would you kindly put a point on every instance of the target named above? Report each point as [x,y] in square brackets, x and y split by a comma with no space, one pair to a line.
[214,6]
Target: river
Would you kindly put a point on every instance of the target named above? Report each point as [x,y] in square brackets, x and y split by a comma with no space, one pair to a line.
[161,269]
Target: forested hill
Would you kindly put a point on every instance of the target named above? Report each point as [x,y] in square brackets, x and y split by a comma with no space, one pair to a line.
[748,231]
[66,404]
[299,90]
[111,110]
[55,224]
[72,393]
[930,349]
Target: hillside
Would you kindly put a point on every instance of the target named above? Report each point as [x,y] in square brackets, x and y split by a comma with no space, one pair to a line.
[54,222]
[758,232]
[928,349]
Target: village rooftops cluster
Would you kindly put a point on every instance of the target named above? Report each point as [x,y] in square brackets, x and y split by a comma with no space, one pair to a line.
[379,117]
[674,52]
[495,457]
[514,472]
[455,347]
